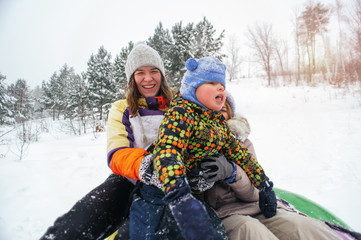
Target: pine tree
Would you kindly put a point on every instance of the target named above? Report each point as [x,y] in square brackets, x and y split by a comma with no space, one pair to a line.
[180,52]
[206,43]
[119,76]
[55,95]
[162,42]
[36,94]
[78,102]
[101,85]
[22,107]
[47,98]
[6,101]
[65,80]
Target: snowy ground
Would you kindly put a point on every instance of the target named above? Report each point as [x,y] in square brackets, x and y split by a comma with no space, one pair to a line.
[307,139]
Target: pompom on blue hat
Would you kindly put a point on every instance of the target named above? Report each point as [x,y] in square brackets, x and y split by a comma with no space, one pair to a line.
[207,69]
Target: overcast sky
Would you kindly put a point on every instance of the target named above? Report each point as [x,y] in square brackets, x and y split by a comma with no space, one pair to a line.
[37,37]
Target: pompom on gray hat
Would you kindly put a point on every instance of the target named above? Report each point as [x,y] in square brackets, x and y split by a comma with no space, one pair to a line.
[140,56]
[207,69]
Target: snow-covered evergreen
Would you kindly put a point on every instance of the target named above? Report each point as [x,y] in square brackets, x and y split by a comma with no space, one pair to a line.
[22,108]
[162,42]
[181,51]
[101,84]
[206,43]
[78,110]
[118,73]
[6,101]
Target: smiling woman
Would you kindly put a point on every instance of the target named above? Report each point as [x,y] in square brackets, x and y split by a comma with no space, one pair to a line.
[148,80]
[132,126]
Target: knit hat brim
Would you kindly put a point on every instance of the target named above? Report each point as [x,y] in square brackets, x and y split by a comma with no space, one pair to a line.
[142,55]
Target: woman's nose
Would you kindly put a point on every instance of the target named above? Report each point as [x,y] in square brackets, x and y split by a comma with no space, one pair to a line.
[148,77]
[220,87]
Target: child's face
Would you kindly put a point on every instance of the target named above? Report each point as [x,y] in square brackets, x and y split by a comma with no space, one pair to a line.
[211,95]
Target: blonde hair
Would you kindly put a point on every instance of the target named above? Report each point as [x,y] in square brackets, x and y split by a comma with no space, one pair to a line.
[133,94]
[229,109]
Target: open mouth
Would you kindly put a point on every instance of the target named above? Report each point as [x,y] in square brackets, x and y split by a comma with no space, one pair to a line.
[219,98]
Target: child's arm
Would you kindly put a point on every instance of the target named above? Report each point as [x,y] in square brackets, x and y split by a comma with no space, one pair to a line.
[173,138]
[241,156]
[234,151]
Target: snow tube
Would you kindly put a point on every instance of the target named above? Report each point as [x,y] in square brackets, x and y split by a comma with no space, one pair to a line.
[302,204]
[309,207]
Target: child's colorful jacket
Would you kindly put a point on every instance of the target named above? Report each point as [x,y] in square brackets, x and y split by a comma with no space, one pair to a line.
[188,134]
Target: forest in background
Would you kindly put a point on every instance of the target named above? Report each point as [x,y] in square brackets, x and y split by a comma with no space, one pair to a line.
[83,99]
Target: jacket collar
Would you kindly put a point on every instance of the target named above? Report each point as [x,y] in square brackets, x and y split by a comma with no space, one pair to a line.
[153,103]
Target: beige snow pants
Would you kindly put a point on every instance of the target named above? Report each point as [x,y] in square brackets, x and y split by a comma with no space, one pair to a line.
[285,225]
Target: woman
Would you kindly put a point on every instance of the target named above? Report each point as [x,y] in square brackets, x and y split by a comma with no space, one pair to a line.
[132,126]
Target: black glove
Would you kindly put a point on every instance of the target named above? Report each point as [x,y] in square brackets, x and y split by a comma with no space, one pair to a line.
[217,168]
[267,200]
[190,214]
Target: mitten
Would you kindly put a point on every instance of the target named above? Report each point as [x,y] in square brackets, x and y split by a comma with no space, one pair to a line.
[147,173]
[267,200]
[199,183]
[217,168]
[189,213]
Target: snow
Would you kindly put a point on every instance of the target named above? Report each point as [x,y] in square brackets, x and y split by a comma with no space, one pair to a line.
[306,138]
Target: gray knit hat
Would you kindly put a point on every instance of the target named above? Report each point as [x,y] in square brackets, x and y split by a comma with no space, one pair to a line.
[140,56]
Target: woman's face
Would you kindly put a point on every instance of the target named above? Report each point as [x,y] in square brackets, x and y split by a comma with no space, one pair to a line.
[148,80]
[211,95]
[225,112]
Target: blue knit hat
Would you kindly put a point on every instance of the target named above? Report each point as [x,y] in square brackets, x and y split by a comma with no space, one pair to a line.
[207,69]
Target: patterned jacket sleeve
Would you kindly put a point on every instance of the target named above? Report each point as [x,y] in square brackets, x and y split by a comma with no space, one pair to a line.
[234,151]
[173,139]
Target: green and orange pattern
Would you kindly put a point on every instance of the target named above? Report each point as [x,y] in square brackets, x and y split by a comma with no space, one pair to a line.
[188,134]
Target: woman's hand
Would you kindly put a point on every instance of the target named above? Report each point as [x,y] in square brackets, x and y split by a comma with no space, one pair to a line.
[218,168]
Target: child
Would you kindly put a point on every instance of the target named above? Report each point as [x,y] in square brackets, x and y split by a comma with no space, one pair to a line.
[192,130]
[237,203]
